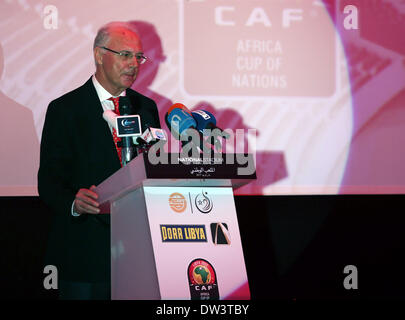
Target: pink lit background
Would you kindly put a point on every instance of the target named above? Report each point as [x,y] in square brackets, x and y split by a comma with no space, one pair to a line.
[328,102]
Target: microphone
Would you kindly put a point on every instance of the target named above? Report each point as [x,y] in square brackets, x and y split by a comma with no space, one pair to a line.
[183,126]
[125,106]
[129,126]
[128,150]
[206,120]
[179,106]
[153,135]
[149,138]
[140,142]
[179,120]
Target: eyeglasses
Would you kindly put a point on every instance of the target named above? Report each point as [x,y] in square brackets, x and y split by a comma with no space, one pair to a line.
[128,55]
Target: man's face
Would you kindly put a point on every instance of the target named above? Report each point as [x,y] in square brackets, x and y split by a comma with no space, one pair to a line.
[117,73]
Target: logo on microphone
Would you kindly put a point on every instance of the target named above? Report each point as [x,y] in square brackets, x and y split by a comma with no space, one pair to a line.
[202,280]
[203,114]
[127,122]
[128,126]
[177,202]
[203,203]
[160,135]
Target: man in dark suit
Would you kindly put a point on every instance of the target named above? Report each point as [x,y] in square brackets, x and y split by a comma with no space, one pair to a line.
[78,152]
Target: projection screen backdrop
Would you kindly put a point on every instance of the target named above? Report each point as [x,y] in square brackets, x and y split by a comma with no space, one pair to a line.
[316,86]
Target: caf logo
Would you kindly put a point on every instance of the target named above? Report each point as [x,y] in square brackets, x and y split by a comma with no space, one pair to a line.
[203,203]
[177,202]
[202,280]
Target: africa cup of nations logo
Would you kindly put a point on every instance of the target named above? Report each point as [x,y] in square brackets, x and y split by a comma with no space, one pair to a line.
[202,280]
[203,202]
[177,202]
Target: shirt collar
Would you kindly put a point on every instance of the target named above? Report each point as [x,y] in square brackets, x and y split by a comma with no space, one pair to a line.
[102,93]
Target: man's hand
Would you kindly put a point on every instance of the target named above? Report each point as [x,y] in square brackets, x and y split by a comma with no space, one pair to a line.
[85,201]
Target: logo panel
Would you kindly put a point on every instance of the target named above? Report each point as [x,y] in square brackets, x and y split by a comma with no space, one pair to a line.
[220,233]
[202,280]
[177,202]
[258,42]
[128,125]
[183,233]
[203,203]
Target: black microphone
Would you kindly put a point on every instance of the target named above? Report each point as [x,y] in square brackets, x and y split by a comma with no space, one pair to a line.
[150,137]
[128,149]
[140,142]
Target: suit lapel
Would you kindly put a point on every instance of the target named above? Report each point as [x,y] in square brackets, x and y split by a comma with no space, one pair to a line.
[101,144]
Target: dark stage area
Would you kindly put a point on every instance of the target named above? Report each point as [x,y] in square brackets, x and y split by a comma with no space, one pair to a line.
[295,247]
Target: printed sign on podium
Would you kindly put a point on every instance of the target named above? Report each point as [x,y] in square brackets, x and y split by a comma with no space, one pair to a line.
[196,243]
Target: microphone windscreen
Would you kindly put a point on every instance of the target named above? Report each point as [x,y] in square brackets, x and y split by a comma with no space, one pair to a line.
[179,121]
[139,141]
[203,119]
[178,106]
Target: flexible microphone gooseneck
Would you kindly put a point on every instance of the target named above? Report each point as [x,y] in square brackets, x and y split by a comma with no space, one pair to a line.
[128,151]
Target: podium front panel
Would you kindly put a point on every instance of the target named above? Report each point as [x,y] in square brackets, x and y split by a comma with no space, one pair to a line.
[196,243]
[133,273]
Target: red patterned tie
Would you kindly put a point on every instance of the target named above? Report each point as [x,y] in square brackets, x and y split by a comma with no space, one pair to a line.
[114,132]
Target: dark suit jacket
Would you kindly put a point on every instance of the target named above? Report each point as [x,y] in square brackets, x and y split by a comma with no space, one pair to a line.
[77,151]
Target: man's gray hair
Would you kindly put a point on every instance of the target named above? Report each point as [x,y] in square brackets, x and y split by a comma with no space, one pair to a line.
[103,34]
